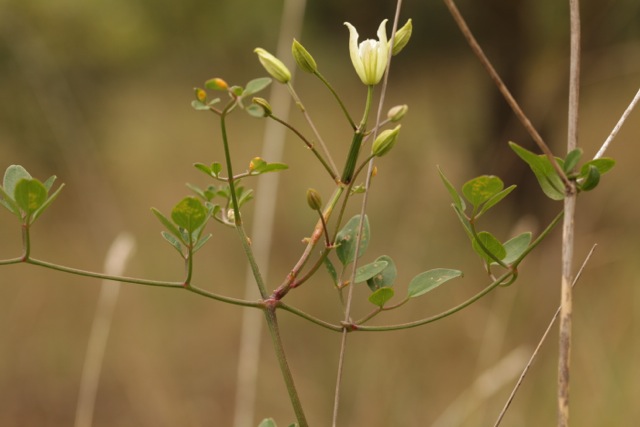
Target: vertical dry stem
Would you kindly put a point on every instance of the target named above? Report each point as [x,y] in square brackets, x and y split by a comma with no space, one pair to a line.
[566,303]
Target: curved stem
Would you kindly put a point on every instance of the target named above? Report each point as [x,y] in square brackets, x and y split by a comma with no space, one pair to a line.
[453,310]
[312,319]
[335,95]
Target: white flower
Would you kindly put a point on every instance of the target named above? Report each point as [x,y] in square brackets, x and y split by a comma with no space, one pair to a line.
[370,57]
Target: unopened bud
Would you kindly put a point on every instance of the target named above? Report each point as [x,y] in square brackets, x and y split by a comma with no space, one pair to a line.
[385,141]
[314,200]
[273,66]
[264,104]
[303,58]
[402,38]
[216,84]
[396,113]
[201,95]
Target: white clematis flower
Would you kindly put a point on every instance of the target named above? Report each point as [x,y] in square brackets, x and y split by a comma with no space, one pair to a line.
[370,57]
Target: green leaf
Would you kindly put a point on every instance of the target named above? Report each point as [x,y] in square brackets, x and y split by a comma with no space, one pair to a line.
[199,106]
[603,164]
[258,166]
[332,271]
[546,175]
[255,86]
[203,168]
[457,200]
[216,168]
[480,189]
[495,199]
[12,176]
[267,422]
[429,280]
[30,195]
[366,272]
[381,296]
[346,240]
[168,224]
[201,242]
[173,241]
[255,110]
[571,160]
[491,244]
[47,203]
[190,214]
[8,202]
[591,180]
[516,247]
[386,278]
[49,182]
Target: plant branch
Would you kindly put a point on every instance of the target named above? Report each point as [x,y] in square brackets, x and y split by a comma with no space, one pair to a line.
[537,349]
[475,47]
[618,125]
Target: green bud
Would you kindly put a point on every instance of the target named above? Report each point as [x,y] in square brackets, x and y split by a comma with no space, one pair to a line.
[402,38]
[396,113]
[385,141]
[273,66]
[303,58]
[216,84]
[314,200]
[591,180]
[201,95]
[266,107]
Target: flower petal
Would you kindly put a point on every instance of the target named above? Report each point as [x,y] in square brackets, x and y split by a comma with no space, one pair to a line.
[354,52]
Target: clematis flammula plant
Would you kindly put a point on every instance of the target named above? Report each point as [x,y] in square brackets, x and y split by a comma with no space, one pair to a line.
[369,58]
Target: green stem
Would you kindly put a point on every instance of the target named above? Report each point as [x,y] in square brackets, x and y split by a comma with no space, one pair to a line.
[227,157]
[274,331]
[540,238]
[476,297]
[312,319]
[356,143]
[335,95]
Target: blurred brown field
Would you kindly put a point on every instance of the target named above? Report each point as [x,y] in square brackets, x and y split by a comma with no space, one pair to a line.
[98,93]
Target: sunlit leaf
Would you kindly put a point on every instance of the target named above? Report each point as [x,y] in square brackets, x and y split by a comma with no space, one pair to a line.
[480,189]
[495,199]
[189,214]
[12,176]
[30,195]
[429,280]
[381,296]
[366,272]
[347,240]
[603,164]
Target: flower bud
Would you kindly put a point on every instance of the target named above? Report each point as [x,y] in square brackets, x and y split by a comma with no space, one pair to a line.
[201,95]
[396,113]
[385,141]
[303,58]
[402,38]
[273,66]
[266,107]
[216,84]
[314,200]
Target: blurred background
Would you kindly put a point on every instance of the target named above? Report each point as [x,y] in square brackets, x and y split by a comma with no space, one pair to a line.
[98,93]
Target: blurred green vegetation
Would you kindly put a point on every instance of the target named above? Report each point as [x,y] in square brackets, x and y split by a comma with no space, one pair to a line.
[99,94]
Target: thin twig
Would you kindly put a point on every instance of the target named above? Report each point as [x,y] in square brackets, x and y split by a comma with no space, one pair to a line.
[618,125]
[486,63]
[568,229]
[347,313]
[262,226]
[542,340]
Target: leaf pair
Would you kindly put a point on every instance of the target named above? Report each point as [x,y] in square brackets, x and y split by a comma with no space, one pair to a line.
[586,179]
[184,230]
[239,93]
[25,196]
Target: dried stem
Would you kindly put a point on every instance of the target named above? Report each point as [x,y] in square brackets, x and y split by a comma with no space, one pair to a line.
[618,125]
[568,229]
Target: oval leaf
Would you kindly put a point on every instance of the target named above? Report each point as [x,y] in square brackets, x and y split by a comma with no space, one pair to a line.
[13,175]
[457,200]
[256,85]
[490,244]
[381,296]
[189,214]
[546,175]
[386,278]
[480,189]
[347,237]
[429,280]
[30,194]
[366,272]
[516,247]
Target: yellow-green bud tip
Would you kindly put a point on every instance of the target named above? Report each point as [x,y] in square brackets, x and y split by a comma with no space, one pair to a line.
[216,84]
[273,66]
[314,200]
[303,58]
[402,38]
[266,107]
[385,141]
[396,113]
[201,95]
